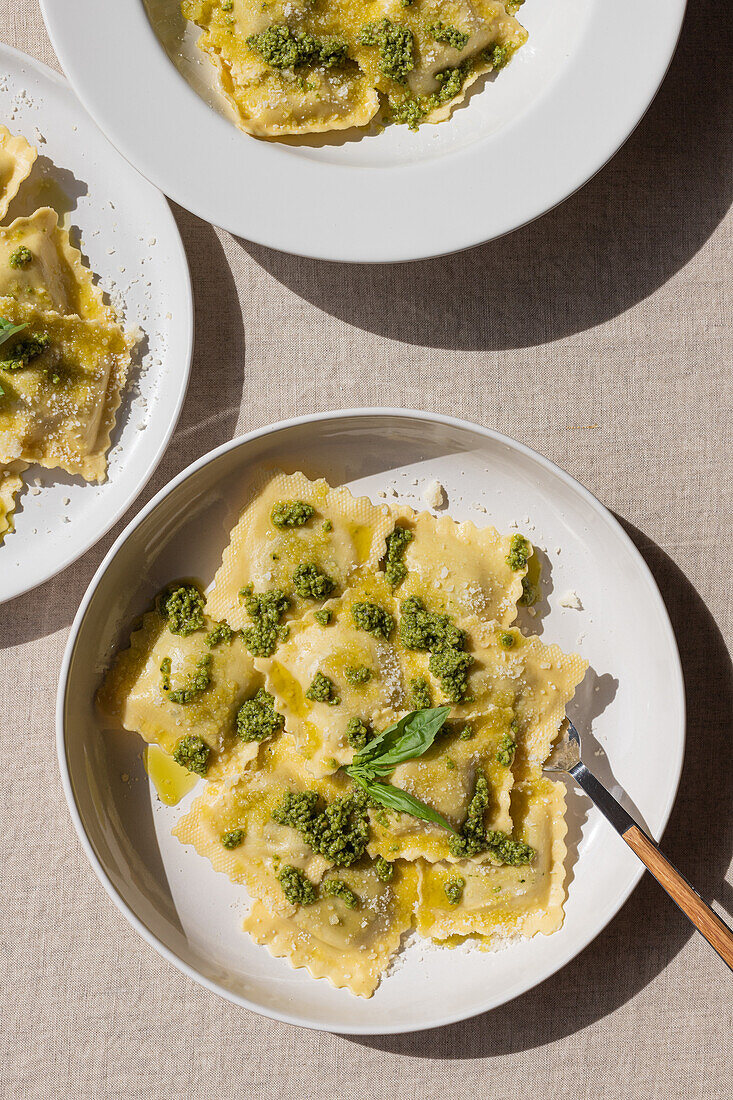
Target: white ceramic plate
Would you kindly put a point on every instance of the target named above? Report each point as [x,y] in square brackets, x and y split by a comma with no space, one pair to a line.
[524,143]
[632,701]
[131,241]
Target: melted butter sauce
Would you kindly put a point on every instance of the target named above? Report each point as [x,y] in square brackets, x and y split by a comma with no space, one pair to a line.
[170,780]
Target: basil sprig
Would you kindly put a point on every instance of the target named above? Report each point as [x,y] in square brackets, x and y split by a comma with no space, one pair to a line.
[8,329]
[407,739]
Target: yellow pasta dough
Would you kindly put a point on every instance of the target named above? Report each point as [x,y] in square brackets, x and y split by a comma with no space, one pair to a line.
[11,482]
[17,157]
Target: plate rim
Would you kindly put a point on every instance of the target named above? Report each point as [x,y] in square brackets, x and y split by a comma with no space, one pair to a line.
[211,456]
[299,239]
[60,564]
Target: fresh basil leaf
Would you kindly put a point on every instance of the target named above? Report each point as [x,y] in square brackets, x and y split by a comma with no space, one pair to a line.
[395,799]
[8,329]
[410,737]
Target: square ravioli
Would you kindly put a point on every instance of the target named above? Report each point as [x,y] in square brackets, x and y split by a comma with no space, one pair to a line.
[284,66]
[318,541]
[168,687]
[39,266]
[17,157]
[61,379]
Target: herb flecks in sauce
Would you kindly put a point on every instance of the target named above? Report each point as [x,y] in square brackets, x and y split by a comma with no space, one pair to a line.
[257,718]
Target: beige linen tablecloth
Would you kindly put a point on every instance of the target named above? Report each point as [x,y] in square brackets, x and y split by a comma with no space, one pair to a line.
[611,311]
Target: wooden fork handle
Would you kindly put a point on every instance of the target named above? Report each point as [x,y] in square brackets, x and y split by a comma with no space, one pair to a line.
[715,931]
[707,922]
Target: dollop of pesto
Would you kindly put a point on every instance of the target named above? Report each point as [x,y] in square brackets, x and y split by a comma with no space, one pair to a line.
[327,526]
[411,110]
[449,663]
[453,888]
[265,610]
[232,839]
[297,889]
[196,683]
[450,35]
[507,747]
[507,639]
[221,634]
[23,351]
[358,674]
[474,837]
[282,48]
[383,869]
[395,569]
[339,832]
[312,583]
[182,607]
[193,753]
[257,718]
[358,733]
[373,619]
[21,257]
[323,690]
[530,593]
[519,554]
[466,733]
[420,695]
[496,55]
[395,43]
[323,616]
[291,513]
[336,888]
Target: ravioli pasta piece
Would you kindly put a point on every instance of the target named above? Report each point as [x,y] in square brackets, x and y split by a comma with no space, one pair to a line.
[459,569]
[271,101]
[244,801]
[343,537]
[54,277]
[133,691]
[17,157]
[349,947]
[59,409]
[503,901]
[363,669]
[445,779]
[11,482]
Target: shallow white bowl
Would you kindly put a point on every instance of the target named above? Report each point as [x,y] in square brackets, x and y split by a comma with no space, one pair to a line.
[128,233]
[516,148]
[631,704]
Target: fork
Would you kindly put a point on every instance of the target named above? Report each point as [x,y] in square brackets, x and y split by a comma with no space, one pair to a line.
[566,757]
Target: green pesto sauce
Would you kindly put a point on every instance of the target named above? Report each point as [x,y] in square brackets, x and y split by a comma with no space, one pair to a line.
[466,733]
[450,35]
[453,888]
[449,663]
[420,694]
[411,110]
[450,764]
[327,526]
[21,257]
[395,43]
[265,611]
[297,889]
[339,832]
[182,607]
[323,616]
[282,48]
[227,5]
[395,569]
[221,634]
[232,839]
[336,888]
[193,753]
[323,690]
[498,56]
[291,513]
[358,733]
[311,583]
[519,552]
[506,639]
[383,869]
[506,750]
[474,837]
[195,684]
[358,674]
[373,619]
[257,718]
[23,351]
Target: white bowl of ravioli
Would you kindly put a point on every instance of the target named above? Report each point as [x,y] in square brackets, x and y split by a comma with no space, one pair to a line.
[311,619]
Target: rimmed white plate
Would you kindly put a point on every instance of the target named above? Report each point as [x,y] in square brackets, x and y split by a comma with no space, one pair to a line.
[524,143]
[125,228]
[632,702]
